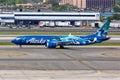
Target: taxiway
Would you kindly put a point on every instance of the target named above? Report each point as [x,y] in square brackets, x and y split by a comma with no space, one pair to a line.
[73,63]
[71,58]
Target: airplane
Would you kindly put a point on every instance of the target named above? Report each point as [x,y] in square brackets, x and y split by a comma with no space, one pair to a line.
[53,41]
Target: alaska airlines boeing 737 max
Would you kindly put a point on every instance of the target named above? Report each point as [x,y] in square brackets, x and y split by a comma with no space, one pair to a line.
[54,41]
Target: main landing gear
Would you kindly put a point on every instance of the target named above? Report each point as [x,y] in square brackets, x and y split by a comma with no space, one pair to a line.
[20,46]
[61,47]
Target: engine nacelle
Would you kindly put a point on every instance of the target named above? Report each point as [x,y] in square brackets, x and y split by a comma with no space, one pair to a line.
[51,44]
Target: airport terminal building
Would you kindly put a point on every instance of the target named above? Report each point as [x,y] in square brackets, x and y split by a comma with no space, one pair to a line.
[53,18]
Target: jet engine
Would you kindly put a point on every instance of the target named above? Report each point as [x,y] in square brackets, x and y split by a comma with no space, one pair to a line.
[51,44]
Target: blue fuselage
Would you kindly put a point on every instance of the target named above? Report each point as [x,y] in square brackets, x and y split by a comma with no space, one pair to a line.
[41,40]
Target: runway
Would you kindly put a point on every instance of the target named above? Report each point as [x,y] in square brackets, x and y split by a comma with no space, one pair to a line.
[71,58]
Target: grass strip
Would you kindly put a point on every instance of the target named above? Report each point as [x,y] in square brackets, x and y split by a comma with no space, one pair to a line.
[53,33]
[6,43]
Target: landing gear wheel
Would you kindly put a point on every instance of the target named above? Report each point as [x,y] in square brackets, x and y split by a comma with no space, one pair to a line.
[61,47]
[20,46]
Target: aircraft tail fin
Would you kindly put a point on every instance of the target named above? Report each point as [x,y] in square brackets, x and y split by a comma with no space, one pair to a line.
[103,31]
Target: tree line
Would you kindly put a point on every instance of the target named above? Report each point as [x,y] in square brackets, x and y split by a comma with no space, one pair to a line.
[13,2]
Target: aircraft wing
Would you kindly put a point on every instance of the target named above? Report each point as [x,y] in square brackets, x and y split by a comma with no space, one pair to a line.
[63,42]
[67,40]
[70,39]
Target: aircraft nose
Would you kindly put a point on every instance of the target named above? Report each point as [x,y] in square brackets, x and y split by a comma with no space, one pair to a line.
[16,41]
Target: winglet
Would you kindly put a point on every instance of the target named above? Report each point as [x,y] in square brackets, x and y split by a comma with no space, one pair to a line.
[69,34]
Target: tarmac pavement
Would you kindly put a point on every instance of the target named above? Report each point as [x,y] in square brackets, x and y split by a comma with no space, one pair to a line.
[73,63]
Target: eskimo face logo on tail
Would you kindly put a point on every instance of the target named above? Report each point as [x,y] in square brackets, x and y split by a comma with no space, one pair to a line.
[33,40]
[102,33]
